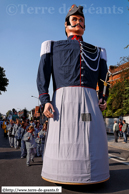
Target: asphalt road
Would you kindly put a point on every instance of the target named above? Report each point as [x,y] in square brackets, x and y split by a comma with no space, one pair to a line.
[14,172]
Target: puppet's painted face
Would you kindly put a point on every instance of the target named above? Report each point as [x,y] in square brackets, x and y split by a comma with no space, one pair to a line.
[76,27]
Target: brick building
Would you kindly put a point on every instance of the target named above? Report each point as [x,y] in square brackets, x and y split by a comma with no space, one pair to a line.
[37,113]
[116,72]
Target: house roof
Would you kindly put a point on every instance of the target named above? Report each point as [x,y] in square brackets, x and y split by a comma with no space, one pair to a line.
[118,69]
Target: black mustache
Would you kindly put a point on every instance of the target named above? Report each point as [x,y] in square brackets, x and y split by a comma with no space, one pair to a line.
[77,25]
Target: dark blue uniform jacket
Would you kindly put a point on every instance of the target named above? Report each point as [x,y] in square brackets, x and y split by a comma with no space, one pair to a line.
[62,59]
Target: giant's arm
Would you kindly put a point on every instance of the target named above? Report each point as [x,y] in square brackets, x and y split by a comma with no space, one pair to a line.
[44,72]
[102,73]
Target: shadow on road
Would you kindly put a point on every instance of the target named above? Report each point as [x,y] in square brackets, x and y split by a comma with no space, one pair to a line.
[95,188]
[118,182]
[10,155]
[116,164]
[112,151]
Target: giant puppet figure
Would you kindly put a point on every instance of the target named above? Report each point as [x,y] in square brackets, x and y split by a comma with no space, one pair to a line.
[76,148]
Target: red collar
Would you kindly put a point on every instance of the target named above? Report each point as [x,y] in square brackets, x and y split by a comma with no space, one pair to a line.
[75,37]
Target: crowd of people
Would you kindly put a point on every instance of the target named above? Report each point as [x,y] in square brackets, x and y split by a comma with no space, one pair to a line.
[120,130]
[27,135]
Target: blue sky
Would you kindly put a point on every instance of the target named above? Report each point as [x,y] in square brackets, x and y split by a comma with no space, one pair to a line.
[25,24]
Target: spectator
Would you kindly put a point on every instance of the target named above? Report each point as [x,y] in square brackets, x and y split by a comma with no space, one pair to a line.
[120,130]
[120,121]
[124,130]
[116,130]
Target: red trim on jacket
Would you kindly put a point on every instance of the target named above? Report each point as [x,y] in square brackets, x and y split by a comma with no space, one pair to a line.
[80,66]
[76,86]
[42,94]
[78,38]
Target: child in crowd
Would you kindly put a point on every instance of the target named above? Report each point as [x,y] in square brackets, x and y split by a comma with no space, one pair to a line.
[29,138]
[32,122]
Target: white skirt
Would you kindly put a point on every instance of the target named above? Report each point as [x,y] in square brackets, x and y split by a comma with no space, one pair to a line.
[76,148]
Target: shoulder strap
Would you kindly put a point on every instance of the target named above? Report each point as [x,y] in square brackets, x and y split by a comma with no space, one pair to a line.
[45,47]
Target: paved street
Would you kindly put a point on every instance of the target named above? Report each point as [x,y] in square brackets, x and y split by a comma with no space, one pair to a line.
[14,172]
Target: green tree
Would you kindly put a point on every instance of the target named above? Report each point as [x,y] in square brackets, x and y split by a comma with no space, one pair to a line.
[3,80]
[8,113]
[126,98]
[118,100]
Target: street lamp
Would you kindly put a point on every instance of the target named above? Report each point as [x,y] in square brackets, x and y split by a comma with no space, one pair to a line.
[37,98]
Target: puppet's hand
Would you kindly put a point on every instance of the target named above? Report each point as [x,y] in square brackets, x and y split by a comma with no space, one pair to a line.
[47,113]
[102,106]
